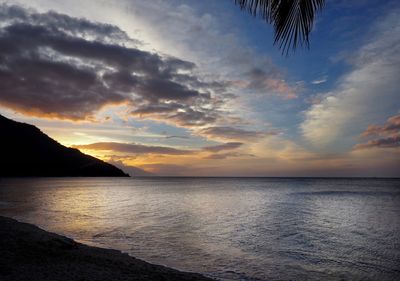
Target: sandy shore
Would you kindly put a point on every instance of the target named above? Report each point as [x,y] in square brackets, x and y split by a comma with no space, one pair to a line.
[30,253]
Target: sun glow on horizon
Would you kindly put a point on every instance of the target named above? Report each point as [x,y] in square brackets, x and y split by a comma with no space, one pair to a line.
[194,96]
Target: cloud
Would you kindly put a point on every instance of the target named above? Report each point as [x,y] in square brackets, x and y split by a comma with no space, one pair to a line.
[367,93]
[232,133]
[106,67]
[391,127]
[134,148]
[177,137]
[199,112]
[320,80]
[58,66]
[195,31]
[393,141]
[270,81]
[220,156]
[178,114]
[388,133]
[265,82]
[221,147]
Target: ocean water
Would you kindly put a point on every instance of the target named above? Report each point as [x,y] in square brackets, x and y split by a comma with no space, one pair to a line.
[226,228]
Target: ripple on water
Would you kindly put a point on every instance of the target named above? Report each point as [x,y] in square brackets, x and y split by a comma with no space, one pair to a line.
[231,229]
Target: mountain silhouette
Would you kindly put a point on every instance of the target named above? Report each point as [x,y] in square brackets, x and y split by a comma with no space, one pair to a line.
[28,152]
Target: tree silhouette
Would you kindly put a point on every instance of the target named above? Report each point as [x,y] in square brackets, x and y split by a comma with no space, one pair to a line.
[292,19]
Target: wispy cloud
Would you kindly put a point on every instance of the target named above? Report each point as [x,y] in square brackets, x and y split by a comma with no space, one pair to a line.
[133,148]
[233,133]
[221,147]
[321,80]
[393,141]
[220,156]
[368,93]
[271,81]
[391,127]
[163,169]
[388,135]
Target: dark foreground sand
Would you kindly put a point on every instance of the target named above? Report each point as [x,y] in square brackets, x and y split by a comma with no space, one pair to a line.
[30,253]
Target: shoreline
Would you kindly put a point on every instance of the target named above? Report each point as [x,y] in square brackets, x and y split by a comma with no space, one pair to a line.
[31,253]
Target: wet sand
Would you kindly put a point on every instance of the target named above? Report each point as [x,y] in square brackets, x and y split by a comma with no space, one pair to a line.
[30,253]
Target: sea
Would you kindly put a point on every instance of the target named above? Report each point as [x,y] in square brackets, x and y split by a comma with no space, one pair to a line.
[226,228]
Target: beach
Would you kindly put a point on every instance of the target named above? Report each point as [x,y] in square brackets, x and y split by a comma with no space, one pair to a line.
[30,253]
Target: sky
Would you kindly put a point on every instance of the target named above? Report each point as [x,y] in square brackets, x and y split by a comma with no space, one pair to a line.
[197,88]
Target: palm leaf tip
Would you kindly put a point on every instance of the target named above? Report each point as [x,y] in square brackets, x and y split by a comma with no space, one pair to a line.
[292,19]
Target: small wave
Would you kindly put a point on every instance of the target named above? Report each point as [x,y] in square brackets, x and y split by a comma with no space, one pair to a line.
[345,193]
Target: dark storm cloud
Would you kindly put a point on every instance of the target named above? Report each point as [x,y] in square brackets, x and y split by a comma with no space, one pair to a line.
[58,66]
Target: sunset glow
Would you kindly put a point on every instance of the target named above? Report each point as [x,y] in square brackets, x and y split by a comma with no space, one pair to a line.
[174,89]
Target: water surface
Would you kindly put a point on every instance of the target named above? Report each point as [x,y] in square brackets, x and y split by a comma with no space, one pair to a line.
[227,228]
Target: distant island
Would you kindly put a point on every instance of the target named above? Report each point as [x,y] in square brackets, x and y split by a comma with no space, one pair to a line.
[28,152]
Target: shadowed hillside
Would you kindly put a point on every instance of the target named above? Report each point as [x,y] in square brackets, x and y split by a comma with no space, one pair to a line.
[27,152]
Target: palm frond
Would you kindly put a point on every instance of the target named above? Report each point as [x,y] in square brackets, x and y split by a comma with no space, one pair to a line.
[292,19]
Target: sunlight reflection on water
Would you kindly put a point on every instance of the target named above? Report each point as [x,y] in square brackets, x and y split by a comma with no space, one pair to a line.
[232,229]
